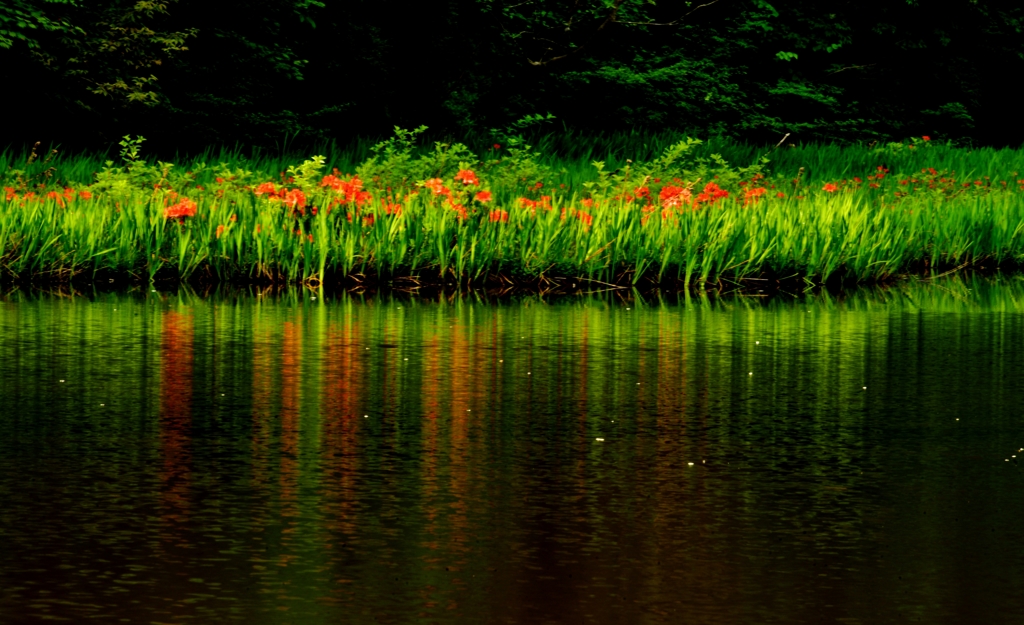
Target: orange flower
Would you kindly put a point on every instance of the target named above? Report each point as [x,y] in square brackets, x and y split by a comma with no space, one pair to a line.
[499,215]
[467,177]
[586,218]
[831,188]
[53,195]
[220,230]
[295,198]
[181,210]
[673,196]
[437,186]
[483,196]
[266,187]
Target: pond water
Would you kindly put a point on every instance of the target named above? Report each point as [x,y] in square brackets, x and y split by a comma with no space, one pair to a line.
[302,458]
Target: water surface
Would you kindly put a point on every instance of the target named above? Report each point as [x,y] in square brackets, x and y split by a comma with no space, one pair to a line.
[168,458]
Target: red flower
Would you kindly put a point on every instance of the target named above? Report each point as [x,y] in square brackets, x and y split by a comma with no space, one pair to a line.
[181,210]
[296,199]
[499,215]
[586,218]
[483,196]
[674,196]
[831,188]
[266,187]
[712,192]
[753,194]
[56,196]
[437,186]
[926,138]
[467,177]
[220,230]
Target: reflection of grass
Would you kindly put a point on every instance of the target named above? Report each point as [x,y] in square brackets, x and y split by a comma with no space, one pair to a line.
[814,212]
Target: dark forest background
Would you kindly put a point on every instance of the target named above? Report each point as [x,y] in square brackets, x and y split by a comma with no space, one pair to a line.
[190,74]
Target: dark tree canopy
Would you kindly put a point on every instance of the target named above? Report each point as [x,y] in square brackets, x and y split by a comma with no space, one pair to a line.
[256,70]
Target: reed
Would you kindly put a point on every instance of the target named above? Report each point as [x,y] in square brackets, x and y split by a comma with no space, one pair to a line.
[548,209]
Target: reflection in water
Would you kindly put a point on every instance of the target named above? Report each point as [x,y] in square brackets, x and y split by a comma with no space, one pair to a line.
[168,458]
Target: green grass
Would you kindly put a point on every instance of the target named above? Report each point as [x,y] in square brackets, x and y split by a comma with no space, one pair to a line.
[855,234]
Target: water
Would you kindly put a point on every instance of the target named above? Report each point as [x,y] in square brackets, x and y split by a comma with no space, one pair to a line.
[166,458]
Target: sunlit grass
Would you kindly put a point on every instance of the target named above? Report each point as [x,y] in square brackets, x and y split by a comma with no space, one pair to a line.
[825,212]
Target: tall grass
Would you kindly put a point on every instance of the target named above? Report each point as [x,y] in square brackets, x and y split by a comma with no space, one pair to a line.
[913,221]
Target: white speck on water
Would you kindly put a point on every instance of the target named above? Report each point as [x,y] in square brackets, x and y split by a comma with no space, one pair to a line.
[528,373]
[751,373]
[366,416]
[638,384]
[62,381]
[222,394]
[865,388]
[312,298]
[103,404]
[757,342]
[501,361]
[627,309]
[407,359]
[690,464]
[599,439]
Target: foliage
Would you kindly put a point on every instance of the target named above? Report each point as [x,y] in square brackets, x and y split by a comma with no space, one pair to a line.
[684,215]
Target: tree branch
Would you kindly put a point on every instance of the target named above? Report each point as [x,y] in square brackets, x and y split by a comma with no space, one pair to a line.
[843,69]
[673,22]
[608,20]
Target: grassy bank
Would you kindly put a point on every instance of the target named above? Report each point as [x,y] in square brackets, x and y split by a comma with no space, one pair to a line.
[624,209]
